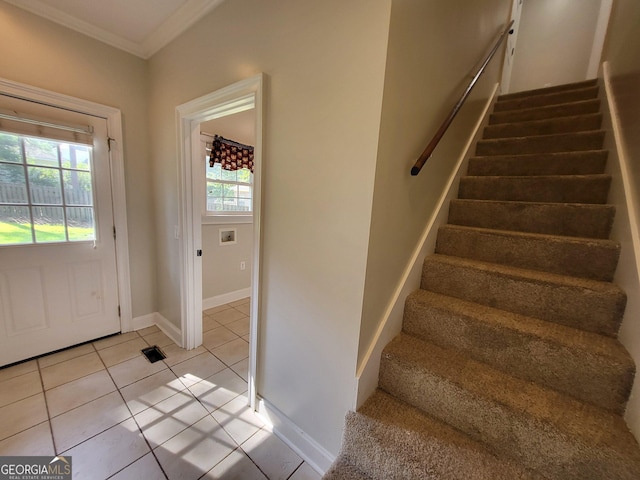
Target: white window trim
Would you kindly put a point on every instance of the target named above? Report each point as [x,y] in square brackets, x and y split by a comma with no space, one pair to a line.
[219,219]
[114,129]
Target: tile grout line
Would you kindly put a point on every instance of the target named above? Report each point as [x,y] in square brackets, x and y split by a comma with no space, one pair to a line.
[102,396]
[226,364]
[46,406]
[294,472]
[222,406]
[135,421]
[238,446]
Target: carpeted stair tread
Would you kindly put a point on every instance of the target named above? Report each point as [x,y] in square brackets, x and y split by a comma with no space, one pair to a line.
[508,365]
[577,123]
[391,440]
[553,89]
[593,189]
[582,107]
[575,302]
[590,367]
[540,100]
[590,162]
[596,259]
[561,142]
[343,470]
[569,219]
[540,429]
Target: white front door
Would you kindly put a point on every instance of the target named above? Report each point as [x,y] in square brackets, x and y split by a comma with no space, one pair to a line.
[58,277]
[516,11]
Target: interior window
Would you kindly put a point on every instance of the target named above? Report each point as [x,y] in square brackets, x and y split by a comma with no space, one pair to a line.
[229,192]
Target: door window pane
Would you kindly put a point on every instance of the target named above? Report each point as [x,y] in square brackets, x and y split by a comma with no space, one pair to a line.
[77,188]
[45,186]
[41,152]
[48,223]
[80,224]
[46,191]
[13,186]
[15,225]
[10,148]
[77,157]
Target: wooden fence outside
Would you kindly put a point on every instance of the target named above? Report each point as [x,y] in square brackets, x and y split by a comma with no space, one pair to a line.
[46,204]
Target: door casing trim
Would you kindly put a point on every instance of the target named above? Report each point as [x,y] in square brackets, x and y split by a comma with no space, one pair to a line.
[237,97]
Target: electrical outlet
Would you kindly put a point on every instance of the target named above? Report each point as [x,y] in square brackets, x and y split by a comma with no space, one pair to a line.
[243,265]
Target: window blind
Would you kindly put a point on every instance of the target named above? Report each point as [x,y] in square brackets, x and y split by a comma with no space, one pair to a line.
[23,124]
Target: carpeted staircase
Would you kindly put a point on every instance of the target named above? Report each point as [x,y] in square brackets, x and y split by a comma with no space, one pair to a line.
[508,366]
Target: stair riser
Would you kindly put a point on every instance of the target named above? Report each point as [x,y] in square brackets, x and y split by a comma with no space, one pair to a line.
[408,456]
[594,309]
[541,113]
[548,99]
[582,163]
[590,221]
[562,256]
[546,127]
[364,443]
[364,449]
[547,90]
[561,189]
[569,142]
[591,378]
[534,444]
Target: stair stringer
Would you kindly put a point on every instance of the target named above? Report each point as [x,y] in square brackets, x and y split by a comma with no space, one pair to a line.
[626,231]
[391,322]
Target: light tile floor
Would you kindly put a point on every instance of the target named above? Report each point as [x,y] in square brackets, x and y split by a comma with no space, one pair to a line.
[121,417]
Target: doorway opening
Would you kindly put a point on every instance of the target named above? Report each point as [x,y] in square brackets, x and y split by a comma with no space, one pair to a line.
[244,96]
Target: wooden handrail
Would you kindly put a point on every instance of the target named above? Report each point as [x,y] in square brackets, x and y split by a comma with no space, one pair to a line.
[445,125]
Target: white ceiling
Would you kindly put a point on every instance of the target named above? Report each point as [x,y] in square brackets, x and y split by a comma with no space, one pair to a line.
[140,27]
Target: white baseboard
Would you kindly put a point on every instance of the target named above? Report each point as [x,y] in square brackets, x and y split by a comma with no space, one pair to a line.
[169,329]
[155,318]
[391,324]
[307,448]
[226,298]
[144,321]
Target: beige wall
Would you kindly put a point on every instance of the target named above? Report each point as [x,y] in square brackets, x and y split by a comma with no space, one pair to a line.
[221,273]
[325,66]
[42,54]
[554,43]
[622,52]
[433,47]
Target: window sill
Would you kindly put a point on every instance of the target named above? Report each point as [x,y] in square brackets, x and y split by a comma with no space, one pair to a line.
[226,219]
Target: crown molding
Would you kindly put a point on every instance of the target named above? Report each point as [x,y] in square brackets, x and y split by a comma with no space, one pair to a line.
[172,27]
[176,24]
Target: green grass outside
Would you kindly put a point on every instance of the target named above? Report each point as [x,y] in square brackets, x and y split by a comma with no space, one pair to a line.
[20,233]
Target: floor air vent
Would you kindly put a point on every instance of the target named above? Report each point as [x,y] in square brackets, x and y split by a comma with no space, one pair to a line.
[153,354]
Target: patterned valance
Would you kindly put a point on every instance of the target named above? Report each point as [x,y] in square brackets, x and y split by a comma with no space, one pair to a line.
[231,155]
